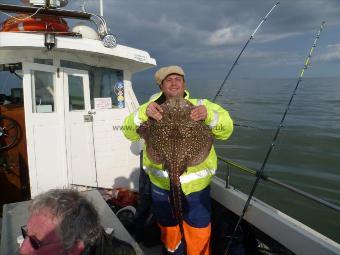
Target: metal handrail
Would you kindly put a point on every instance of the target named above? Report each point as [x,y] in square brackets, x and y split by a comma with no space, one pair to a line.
[279,183]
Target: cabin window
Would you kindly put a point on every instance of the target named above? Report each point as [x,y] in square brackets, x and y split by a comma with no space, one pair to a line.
[76,93]
[11,91]
[105,83]
[42,92]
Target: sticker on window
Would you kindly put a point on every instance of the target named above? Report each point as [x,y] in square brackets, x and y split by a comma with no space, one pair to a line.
[119,91]
[103,103]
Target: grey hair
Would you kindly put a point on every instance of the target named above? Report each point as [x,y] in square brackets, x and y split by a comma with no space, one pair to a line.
[79,219]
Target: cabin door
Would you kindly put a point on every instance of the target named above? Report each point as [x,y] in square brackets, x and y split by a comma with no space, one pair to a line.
[79,128]
[59,127]
[45,132]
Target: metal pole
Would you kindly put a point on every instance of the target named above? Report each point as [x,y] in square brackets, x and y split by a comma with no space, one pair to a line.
[101,8]
[39,10]
[279,183]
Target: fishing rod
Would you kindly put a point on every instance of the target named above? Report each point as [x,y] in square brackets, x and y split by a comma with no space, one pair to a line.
[259,173]
[238,57]
[244,47]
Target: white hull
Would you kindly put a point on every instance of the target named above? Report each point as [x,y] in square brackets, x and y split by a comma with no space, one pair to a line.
[289,232]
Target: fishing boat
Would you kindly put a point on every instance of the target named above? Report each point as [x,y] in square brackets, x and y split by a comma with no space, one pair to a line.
[69,90]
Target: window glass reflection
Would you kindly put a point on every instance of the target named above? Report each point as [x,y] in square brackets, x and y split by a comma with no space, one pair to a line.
[76,93]
[105,83]
[43,92]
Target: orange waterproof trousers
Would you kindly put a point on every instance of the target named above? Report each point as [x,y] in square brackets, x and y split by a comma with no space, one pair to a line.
[196,224]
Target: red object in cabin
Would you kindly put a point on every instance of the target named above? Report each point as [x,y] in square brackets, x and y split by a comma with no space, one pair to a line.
[124,197]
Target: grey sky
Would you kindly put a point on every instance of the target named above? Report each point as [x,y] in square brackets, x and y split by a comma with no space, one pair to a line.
[206,36]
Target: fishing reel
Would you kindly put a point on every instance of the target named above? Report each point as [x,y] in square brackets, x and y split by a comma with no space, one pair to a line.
[9,133]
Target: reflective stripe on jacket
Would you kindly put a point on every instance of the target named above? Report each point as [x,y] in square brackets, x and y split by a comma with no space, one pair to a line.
[196,177]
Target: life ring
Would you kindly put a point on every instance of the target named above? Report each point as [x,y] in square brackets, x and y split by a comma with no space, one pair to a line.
[37,23]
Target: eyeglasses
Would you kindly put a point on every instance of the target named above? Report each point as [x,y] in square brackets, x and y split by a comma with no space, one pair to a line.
[35,243]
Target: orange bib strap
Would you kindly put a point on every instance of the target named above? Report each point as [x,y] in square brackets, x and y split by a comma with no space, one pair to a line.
[197,239]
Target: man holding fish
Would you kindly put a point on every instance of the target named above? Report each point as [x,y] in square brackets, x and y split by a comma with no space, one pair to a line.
[189,233]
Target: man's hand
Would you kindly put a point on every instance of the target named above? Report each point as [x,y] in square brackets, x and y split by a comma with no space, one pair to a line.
[199,113]
[154,111]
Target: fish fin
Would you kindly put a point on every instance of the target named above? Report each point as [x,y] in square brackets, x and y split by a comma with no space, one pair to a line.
[153,155]
[144,130]
[202,155]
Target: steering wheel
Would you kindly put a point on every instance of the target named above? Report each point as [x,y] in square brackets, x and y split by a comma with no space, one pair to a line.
[9,133]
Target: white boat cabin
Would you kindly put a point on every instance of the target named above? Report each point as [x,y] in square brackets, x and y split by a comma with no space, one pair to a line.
[76,97]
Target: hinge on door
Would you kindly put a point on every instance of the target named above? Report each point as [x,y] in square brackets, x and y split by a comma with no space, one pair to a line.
[58,72]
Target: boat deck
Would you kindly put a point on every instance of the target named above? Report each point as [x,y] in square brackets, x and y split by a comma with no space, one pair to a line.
[154,250]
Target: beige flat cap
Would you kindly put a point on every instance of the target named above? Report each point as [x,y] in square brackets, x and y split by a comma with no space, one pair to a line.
[162,73]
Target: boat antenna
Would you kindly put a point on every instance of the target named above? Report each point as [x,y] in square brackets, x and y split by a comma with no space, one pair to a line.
[82,5]
[101,8]
[259,173]
[244,47]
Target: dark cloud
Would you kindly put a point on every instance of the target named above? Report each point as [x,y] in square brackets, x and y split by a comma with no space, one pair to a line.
[207,35]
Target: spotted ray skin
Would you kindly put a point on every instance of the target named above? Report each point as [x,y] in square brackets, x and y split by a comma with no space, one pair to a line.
[177,142]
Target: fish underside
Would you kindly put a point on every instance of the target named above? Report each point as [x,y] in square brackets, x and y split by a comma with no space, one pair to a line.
[177,142]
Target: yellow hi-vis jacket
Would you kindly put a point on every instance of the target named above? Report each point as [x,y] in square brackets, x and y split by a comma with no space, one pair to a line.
[196,177]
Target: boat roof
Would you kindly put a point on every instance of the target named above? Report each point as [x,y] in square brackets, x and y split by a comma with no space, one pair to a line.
[137,60]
